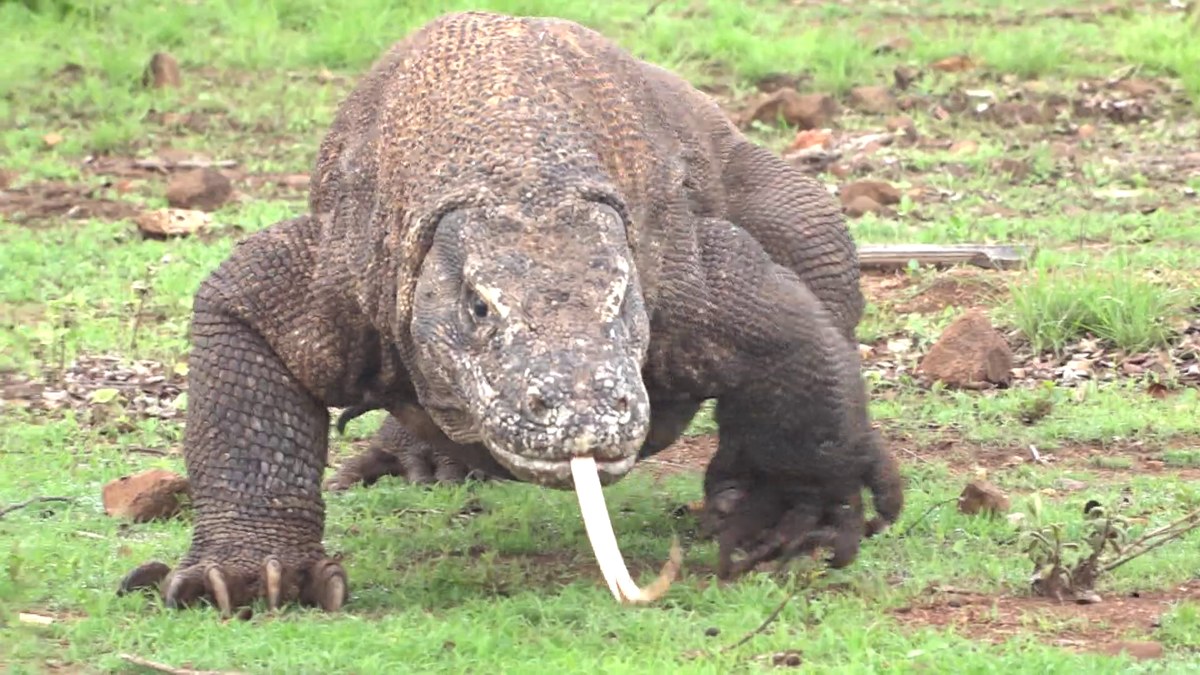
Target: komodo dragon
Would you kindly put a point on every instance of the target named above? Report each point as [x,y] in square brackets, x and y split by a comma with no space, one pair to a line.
[527,246]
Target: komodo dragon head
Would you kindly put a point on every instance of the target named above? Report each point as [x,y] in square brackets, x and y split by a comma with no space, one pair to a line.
[530,332]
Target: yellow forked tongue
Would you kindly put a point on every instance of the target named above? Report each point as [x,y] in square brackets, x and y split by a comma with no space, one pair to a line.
[604,543]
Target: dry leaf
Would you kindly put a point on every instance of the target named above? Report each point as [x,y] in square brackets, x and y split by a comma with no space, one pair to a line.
[953,64]
[52,139]
[172,222]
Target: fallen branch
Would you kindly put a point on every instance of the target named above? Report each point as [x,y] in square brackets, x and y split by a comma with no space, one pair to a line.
[885,256]
[36,500]
[926,514]
[156,164]
[172,670]
[1168,533]
[763,626]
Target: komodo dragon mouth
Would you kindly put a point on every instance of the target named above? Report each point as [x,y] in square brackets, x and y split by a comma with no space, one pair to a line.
[530,332]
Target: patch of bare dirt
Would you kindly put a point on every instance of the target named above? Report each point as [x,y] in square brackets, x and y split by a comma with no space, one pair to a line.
[688,454]
[101,389]
[48,200]
[169,163]
[1092,627]
[552,568]
[963,287]
[1114,460]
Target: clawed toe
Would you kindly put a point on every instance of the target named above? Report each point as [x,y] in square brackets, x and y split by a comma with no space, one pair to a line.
[228,587]
[327,587]
[144,577]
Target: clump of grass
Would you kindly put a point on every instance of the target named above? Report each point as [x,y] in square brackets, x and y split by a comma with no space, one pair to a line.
[1118,306]
[1105,462]
[1183,458]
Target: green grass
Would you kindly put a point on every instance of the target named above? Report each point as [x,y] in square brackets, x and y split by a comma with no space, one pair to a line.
[1054,307]
[510,583]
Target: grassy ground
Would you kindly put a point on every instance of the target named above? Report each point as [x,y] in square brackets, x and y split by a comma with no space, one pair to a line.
[1104,325]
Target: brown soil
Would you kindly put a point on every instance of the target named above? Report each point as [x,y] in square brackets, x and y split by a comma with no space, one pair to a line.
[965,457]
[52,199]
[692,454]
[1079,627]
[963,287]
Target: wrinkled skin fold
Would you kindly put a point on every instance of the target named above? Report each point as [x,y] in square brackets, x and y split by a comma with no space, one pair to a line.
[525,245]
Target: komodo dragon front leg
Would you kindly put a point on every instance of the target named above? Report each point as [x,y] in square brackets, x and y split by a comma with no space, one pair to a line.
[795,446]
[256,434]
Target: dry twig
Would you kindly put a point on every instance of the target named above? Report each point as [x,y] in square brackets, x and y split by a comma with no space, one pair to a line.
[36,500]
[171,670]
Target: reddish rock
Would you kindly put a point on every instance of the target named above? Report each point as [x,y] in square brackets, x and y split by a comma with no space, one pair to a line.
[145,496]
[896,44]
[904,76]
[970,351]
[905,124]
[980,496]
[162,72]
[862,205]
[202,189]
[953,64]
[965,147]
[873,100]
[1016,169]
[877,190]
[809,111]
[1135,87]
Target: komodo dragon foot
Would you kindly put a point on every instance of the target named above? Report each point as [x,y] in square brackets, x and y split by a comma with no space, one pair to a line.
[240,579]
[397,451]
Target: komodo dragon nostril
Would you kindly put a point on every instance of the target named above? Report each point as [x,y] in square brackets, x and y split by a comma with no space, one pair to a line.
[622,405]
[539,405]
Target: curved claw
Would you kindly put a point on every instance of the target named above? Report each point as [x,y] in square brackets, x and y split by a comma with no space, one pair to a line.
[173,596]
[334,594]
[273,577]
[146,576]
[215,580]
[327,586]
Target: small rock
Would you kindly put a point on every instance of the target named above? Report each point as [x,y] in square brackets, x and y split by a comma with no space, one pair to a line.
[873,100]
[1135,87]
[810,111]
[904,76]
[896,44]
[953,64]
[969,351]
[877,190]
[1138,650]
[145,496]
[296,180]
[809,138]
[202,189]
[1069,484]
[161,72]
[1088,598]
[1017,169]
[965,147]
[862,205]
[171,222]
[905,124]
[979,496]
[712,632]
[791,658]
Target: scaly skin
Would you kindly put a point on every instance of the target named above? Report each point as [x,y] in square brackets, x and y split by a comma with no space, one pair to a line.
[526,245]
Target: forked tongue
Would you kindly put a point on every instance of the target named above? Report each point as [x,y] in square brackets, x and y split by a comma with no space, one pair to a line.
[604,542]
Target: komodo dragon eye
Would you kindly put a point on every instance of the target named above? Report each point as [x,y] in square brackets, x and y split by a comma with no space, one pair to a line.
[477,305]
